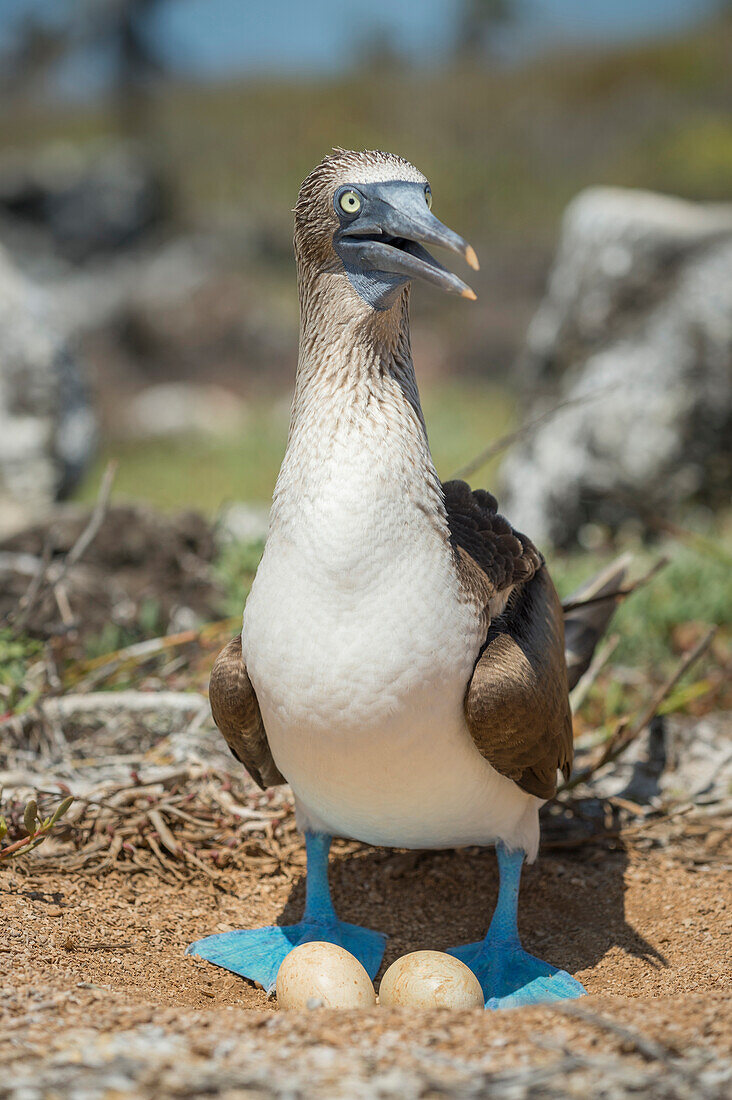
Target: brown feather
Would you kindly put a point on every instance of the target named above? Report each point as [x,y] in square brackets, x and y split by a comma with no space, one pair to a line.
[236,712]
[492,557]
[516,703]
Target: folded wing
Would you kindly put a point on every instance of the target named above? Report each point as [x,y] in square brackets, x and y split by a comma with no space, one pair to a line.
[236,712]
[516,703]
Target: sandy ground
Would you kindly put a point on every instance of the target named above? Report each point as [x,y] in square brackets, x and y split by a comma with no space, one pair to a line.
[98,999]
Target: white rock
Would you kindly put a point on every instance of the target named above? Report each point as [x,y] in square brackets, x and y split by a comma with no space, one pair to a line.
[47,426]
[179,408]
[243,522]
[637,320]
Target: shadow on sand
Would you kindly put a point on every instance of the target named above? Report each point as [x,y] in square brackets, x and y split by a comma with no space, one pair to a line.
[571,913]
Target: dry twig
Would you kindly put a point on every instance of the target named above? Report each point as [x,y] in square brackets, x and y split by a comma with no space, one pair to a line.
[602,655]
[55,573]
[624,733]
[619,593]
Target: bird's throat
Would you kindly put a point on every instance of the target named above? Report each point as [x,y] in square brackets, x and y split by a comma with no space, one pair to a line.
[355,358]
[357,426]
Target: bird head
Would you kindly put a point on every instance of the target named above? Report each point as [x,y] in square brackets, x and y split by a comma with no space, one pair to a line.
[367,217]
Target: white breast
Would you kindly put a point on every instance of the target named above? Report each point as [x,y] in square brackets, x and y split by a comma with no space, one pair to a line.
[360,645]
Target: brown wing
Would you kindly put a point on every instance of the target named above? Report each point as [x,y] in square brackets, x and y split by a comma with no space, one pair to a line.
[516,703]
[492,557]
[236,712]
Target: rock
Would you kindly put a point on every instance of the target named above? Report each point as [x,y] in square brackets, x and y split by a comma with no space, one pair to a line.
[47,426]
[179,408]
[86,204]
[682,758]
[243,522]
[637,327]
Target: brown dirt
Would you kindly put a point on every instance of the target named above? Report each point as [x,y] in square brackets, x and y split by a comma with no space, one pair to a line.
[137,555]
[646,931]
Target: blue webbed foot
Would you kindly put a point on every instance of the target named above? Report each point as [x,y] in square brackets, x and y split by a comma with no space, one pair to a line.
[258,953]
[508,974]
[511,977]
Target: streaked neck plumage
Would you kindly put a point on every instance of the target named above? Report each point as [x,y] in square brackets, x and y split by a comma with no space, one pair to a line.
[356,410]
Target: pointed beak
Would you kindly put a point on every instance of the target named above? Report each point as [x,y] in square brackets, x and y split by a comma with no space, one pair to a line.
[391,232]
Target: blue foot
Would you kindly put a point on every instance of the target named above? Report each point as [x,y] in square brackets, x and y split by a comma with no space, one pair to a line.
[508,974]
[511,977]
[258,953]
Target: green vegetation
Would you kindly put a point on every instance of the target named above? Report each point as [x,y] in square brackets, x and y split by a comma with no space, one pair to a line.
[34,828]
[148,624]
[506,149]
[688,159]
[235,571]
[17,653]
[462,417]
[692,591]
[695,587]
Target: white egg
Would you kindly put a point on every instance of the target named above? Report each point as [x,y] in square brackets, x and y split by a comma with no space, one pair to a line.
[430,979]
[321,974]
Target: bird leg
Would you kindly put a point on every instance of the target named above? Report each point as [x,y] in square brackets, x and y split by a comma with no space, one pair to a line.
[258,953]
[508,974]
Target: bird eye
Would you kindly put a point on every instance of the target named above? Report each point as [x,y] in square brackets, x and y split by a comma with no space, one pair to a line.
[350,202]
[428,196]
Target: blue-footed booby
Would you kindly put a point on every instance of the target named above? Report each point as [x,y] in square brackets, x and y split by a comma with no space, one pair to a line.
[402,661]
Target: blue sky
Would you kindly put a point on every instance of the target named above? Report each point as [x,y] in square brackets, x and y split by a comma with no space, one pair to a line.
[215,38]
[307,35]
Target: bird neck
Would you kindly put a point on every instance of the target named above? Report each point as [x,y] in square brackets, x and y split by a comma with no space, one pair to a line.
[352,350]
[356,411]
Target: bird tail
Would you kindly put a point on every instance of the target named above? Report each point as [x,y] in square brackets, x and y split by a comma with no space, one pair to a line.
[587,613]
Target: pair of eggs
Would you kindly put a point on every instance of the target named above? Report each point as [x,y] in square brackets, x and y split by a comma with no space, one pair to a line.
[321,974]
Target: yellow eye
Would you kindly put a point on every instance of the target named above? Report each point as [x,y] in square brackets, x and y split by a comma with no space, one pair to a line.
[428,196]
[350,202]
